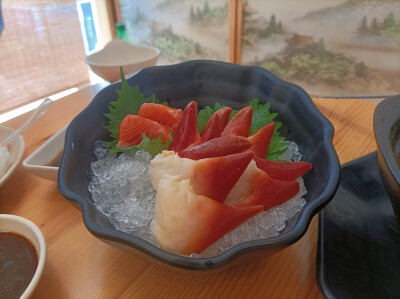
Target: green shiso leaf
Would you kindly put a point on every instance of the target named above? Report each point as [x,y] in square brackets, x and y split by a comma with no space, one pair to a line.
[205,114]
[152,146]
[129,101]
[261,115]
[277,147]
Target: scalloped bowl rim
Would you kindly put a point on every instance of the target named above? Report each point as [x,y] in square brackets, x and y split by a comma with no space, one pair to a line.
[184,262]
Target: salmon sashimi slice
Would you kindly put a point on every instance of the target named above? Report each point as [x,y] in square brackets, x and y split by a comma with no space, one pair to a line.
[132,127]
[281,170]
[211,177]
[261,139]
[217,147]
[185,222]
[186,132]
[240,124]
[256,187]
[162,114]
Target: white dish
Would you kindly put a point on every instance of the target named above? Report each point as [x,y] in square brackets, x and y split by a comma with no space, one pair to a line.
[16,150]
[36,162]
[27,229]
[107,62]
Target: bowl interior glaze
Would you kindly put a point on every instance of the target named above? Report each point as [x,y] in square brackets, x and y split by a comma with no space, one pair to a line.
[206,82]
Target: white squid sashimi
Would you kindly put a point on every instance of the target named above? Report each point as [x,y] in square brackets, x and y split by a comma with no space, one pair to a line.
[185,222]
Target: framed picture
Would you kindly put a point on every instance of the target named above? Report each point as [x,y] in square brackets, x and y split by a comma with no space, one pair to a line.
[181,30]
[332,47]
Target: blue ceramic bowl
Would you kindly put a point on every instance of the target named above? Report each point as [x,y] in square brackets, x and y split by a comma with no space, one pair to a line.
[206,82]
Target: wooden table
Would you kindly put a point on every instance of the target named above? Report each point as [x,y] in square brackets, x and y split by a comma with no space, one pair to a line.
[80,266]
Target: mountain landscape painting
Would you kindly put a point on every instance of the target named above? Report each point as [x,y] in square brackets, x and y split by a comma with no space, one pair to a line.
[330,47]
[180,29]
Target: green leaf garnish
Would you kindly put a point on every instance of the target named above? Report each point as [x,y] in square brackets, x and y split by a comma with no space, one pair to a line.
[205,114]
[152,146]
[261,115]
[129,101]
[277,147]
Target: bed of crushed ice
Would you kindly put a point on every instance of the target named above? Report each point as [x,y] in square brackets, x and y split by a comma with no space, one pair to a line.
[122,191]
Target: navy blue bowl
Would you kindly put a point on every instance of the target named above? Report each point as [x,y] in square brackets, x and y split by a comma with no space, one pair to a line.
[206,82]
[387,136]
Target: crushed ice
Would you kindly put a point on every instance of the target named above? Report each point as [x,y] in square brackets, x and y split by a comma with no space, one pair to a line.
[122,191]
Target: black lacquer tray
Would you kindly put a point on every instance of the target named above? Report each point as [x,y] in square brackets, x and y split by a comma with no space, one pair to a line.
[359,238]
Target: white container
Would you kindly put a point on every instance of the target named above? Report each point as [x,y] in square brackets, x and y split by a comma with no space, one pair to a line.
[36,162]
[107,62]
[27,229]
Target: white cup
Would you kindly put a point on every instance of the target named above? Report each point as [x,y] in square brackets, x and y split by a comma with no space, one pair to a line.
[27,229]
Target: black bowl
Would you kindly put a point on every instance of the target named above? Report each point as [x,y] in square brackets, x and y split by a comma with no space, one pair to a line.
[387,136]
[206,82]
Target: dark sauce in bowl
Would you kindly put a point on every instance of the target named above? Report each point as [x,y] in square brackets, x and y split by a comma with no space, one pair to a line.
[18,263]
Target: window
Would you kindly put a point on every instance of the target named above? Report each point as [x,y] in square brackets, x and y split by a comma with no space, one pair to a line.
[41,50]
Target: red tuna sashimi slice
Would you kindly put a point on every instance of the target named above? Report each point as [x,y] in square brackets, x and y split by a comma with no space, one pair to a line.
[132,127]
[215,177]
[256,187]
[284,171]
[217,147]
[212,177]
[216,124]
[239,124]
[260,141]
[162,114]
[185,222]
[186,132]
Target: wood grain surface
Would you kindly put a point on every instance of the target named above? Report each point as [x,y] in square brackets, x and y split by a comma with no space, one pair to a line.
[80,266]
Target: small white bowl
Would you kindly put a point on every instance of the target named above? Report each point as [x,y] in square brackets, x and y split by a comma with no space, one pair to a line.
[16,150]
[27,229]
[107,62]
[37,162]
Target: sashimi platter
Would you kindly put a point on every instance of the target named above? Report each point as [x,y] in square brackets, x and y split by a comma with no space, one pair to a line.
[195,182]
[199,165]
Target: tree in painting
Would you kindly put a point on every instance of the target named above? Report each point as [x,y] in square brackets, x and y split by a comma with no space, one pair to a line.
[389,27]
